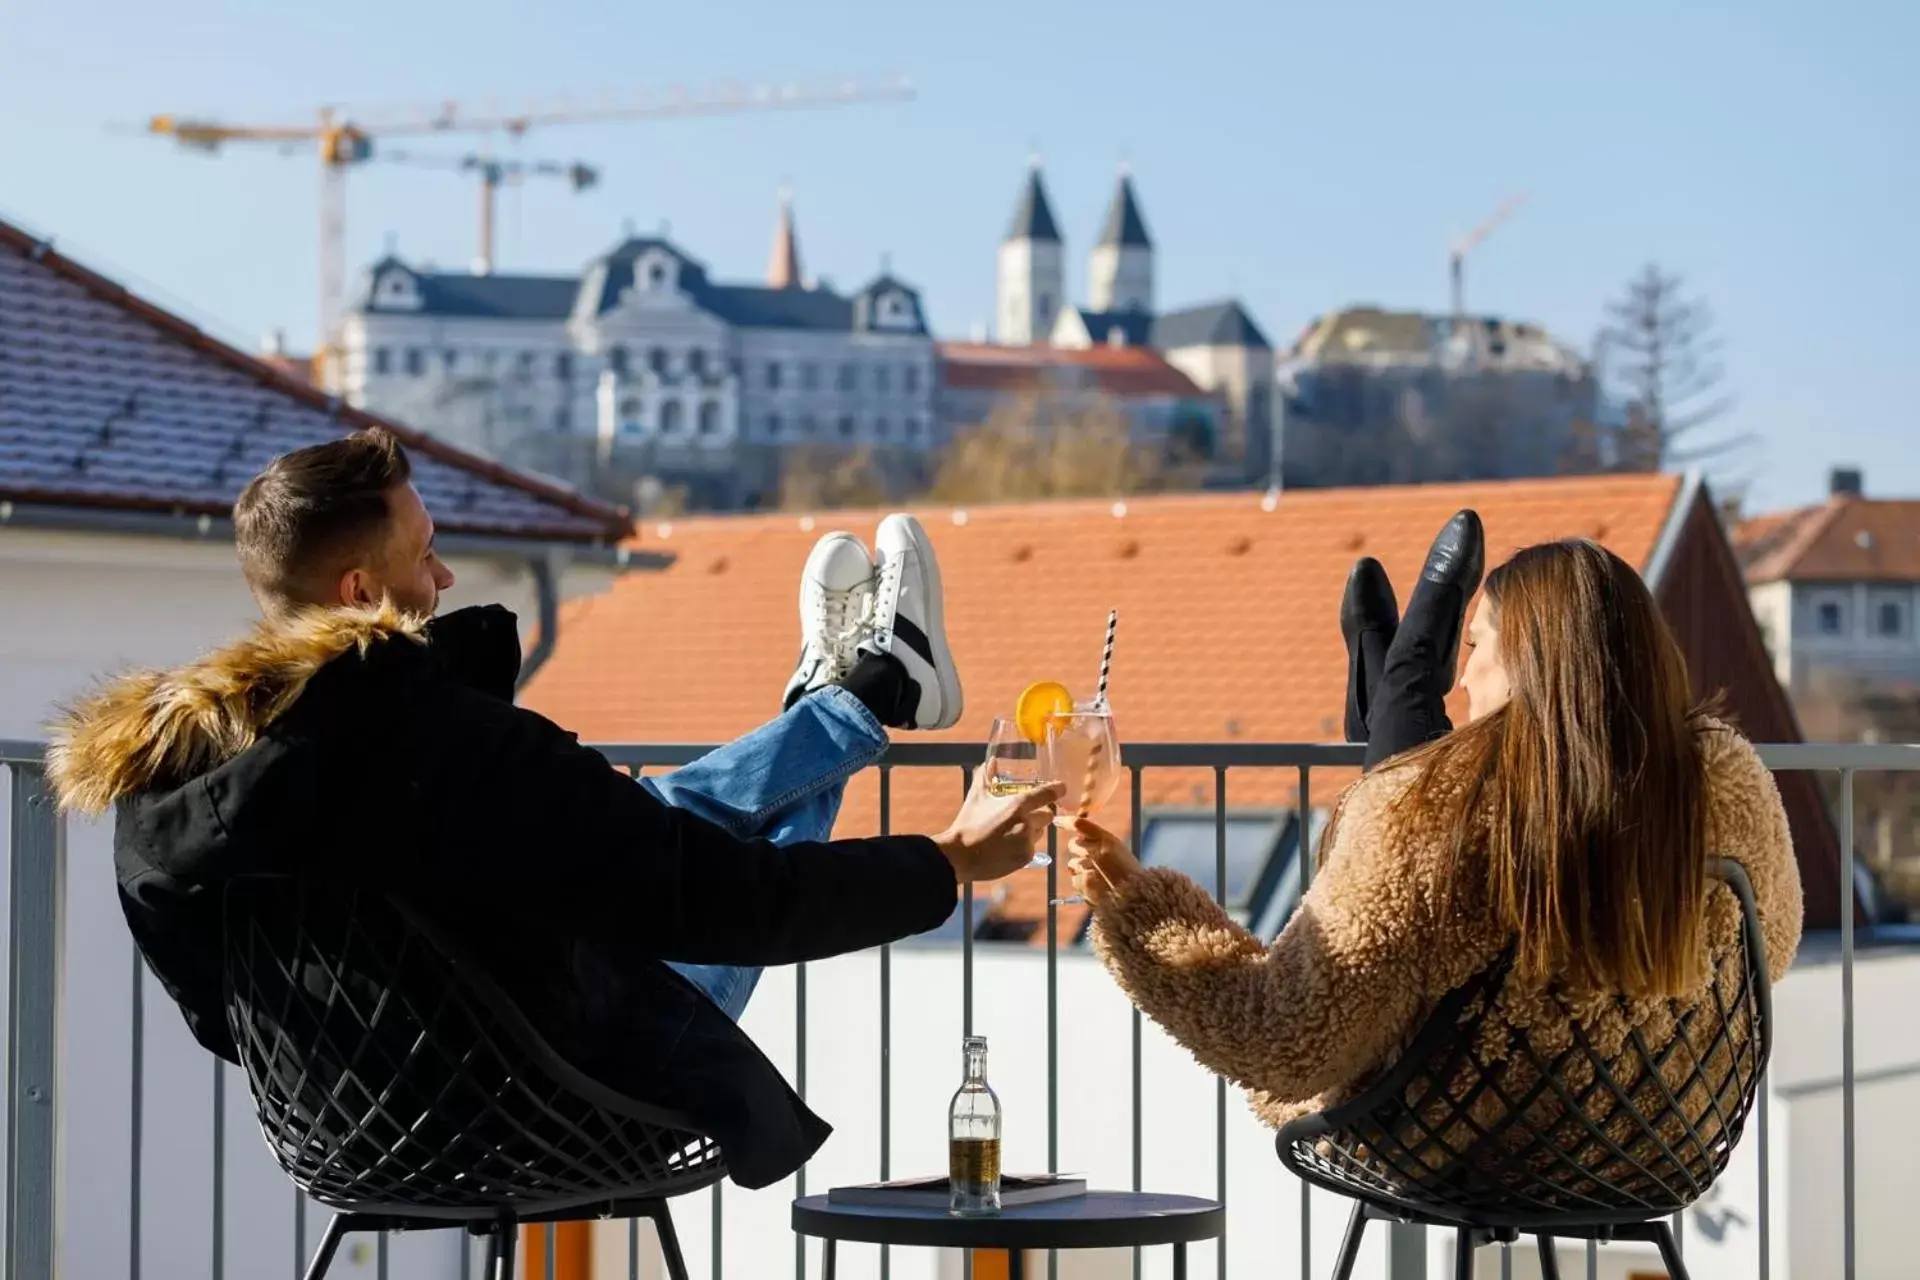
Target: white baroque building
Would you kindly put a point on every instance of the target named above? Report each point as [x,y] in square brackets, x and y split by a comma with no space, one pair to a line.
[643,363]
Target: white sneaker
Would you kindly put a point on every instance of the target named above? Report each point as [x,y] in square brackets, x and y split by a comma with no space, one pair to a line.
[909,620]
[836,595]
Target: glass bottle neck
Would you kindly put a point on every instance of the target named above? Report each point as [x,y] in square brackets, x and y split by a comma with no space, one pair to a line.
[976,1062]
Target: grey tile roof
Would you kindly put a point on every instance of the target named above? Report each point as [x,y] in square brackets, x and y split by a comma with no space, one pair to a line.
[493,297]
[1125,226]
[1216,324]
[107,401]
[1135,326]
[1033,216]
[749,306]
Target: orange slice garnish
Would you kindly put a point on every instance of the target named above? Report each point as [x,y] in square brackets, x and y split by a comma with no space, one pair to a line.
[1038,703]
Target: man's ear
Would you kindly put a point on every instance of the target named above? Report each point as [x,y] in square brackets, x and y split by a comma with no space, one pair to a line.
[356,589]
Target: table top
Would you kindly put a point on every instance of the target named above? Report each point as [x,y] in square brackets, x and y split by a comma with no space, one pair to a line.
[1097,1220]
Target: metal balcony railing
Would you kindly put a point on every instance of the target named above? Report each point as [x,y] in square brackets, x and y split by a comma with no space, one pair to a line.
[37,996]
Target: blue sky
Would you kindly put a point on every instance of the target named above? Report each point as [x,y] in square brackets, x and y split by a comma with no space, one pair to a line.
[1303,157]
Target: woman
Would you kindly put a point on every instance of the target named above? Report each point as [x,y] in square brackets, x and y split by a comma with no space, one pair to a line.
[1572,818]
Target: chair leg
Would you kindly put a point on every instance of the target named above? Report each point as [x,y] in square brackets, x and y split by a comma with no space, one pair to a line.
[1549,1258]
[1462,1254]
[1350,1245]
[329,1245]
[502,1239]
[669,1239]
[1669,1251]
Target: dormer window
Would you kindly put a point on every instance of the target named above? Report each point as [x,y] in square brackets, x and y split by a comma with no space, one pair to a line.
[656,271]
[894,310]
[398,291]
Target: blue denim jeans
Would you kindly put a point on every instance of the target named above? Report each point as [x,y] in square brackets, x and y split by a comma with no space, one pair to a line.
[783,782]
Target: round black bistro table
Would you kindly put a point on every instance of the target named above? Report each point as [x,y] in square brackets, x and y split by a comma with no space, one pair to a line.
[1097,1220]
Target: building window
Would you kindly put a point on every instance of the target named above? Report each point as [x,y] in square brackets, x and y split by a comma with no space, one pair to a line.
[880,429]
[849,377]
[670,417]
[697,363]
[657,361]
[709,417]
[809,377]
[380,359]
[773,426]
[630,409]
[416,362]
[910,379]
[617,360]
[563,420]
[846,427]
[808,427]
[448,359]
[563,365]
[1830,617]
[525,364]
[911,428]
[882,378]
[773,376]
[1891,618]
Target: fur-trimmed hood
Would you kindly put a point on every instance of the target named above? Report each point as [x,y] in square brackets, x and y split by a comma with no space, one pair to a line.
[158,729]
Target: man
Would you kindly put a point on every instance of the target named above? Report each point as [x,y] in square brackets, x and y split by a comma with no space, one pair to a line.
[348,737]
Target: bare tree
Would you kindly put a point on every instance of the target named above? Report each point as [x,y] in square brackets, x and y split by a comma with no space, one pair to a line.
[1659,353]
[1036,445]
[825,479]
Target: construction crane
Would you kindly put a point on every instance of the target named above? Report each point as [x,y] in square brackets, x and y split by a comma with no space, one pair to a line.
[1456,259]
[343,141]
[494,173]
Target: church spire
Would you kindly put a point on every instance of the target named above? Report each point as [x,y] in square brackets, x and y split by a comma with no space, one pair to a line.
[1125,226]
[1033,216]
[783,264]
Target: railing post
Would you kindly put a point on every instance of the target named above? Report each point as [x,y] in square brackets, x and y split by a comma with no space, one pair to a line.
[37,918]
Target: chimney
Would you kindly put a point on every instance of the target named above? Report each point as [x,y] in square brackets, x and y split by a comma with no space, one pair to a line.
[1846,482]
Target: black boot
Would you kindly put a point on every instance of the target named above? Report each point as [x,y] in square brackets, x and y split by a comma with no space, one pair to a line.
[1408,706]
[1369,615]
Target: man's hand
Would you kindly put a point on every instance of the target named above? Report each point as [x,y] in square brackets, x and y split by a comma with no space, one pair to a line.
[1100,861]
[994,836]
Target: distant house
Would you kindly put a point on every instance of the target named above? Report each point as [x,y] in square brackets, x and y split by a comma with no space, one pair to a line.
[645,363]
[1158,399]
[1370,396]
[1836,586]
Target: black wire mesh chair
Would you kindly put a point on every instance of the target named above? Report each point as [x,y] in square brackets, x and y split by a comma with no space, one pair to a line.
[1497,1139]
[399,1085]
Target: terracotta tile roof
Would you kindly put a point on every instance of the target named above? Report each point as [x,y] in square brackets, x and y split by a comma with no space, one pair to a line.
[1228,620]
[1118,371]
[1845,539]
[107,401]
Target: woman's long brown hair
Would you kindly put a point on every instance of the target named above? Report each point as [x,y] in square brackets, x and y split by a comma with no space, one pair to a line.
[1587,790]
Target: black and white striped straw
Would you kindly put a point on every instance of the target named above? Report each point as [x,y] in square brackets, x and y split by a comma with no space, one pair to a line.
[1106,659]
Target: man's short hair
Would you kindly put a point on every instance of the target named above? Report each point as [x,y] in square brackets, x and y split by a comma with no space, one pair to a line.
[305,518]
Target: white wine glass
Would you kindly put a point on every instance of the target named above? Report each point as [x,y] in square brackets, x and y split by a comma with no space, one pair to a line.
[1015,765]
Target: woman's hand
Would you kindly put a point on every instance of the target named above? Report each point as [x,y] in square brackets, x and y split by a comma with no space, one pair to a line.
[1100,861]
